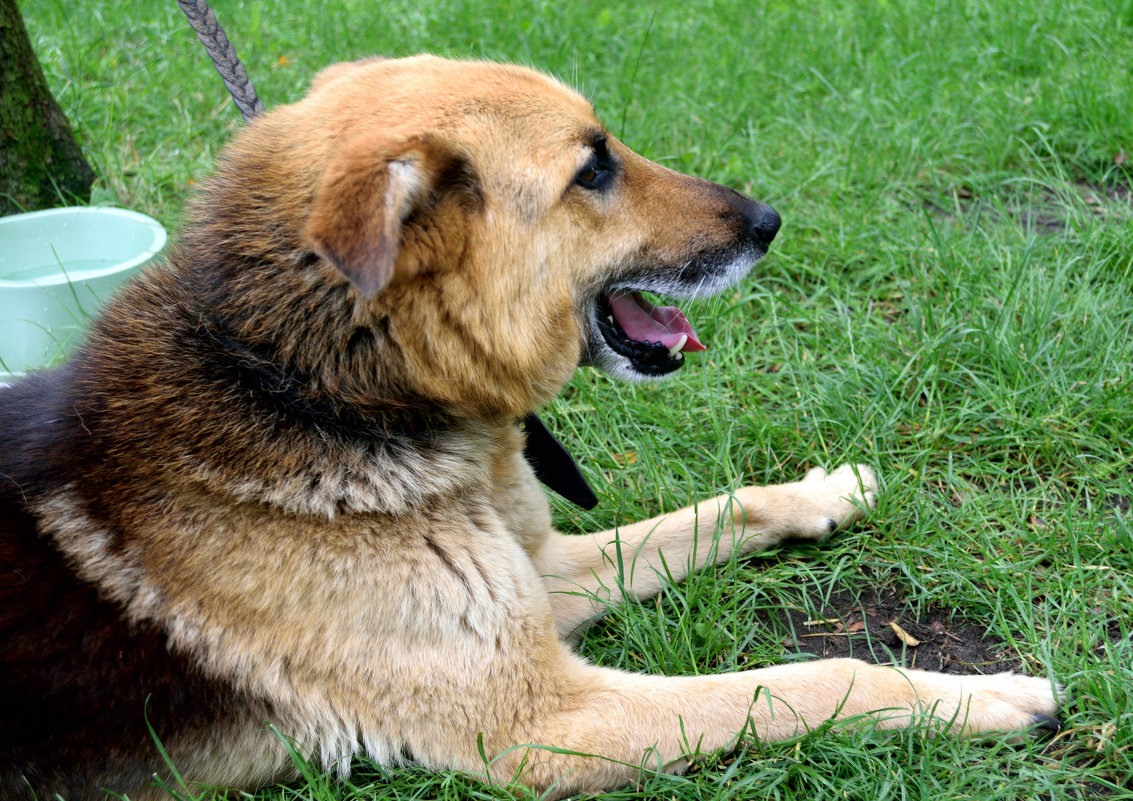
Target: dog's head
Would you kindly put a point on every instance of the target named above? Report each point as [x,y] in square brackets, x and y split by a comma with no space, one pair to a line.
[477,231]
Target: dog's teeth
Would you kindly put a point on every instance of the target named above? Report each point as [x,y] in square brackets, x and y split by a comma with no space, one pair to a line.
[610,319]
[675,351]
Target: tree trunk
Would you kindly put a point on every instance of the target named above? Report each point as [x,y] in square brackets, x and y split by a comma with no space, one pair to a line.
[41,164]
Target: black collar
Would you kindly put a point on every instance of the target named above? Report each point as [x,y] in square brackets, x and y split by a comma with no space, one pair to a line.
[554,466]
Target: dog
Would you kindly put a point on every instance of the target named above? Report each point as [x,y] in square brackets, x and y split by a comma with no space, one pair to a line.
[283,480]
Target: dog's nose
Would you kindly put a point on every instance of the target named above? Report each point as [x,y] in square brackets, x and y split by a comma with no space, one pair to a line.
[759,221]
[765,223]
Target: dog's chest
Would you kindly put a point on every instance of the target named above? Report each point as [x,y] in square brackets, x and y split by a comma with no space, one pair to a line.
[520,502]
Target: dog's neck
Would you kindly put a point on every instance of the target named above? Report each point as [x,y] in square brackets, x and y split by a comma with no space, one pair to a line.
[404,427]
[296,397]
[378,458]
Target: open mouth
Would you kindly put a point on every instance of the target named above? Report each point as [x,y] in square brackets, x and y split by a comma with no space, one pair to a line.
[630,337]
[651,339]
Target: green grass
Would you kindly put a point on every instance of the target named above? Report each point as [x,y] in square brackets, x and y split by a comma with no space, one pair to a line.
[950,300]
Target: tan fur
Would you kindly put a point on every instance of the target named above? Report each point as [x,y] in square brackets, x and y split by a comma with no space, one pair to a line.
[406,603]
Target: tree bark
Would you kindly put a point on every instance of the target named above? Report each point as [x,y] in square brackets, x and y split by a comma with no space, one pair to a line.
[41,164]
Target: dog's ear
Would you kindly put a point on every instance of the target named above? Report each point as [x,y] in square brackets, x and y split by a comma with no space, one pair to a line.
[367,191]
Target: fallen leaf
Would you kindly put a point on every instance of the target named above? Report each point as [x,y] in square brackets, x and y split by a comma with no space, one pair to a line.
[904,636]
[629,457]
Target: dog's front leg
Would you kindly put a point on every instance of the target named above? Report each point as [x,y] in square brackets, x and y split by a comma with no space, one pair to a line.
[581,571]
[655,722]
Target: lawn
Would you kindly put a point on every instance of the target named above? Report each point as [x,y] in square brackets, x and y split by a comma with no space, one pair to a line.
[950,300]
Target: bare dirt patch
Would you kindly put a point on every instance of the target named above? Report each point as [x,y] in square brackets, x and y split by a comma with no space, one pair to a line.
[879,625]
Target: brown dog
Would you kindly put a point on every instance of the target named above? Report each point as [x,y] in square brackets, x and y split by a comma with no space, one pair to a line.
[283,481]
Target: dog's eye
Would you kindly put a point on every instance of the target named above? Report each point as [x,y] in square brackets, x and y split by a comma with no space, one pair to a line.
[599,170]
[593,176]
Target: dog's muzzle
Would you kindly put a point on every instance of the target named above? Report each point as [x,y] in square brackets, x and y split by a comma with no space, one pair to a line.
[630,337]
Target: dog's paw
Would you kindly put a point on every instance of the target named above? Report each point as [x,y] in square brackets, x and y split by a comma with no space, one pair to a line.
[1002,702]
[830,501]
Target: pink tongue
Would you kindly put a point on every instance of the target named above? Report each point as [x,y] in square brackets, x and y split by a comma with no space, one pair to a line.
[644,322]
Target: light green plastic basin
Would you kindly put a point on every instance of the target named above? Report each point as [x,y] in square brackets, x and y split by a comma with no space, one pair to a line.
[56,267]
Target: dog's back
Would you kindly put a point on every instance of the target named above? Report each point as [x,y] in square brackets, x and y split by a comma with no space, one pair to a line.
[74,676]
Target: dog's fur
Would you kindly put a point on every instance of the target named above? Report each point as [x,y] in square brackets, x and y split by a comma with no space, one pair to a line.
[282,482]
